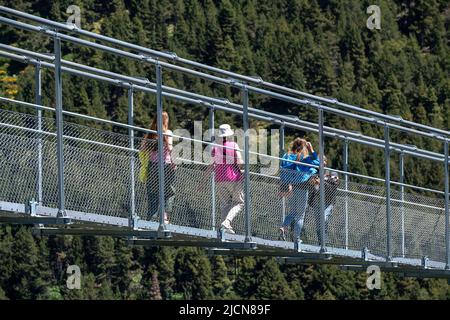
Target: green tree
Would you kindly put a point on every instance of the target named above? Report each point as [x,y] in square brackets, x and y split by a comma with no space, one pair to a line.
[6,256]
[193,274]
[155,293]
[271,283]
[3,295]
[222,284]
[245,284]
[26,278]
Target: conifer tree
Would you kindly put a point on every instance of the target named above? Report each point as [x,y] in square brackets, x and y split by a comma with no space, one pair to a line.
[222,285]
[271,283]
[155,293]
[164,262]
[3,295]
[245,284]
[6,257]
[25,280]
[193,274]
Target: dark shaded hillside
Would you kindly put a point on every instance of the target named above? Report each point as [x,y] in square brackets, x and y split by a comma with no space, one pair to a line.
[321,47]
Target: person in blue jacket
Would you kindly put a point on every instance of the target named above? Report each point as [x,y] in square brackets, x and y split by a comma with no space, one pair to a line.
[294,176]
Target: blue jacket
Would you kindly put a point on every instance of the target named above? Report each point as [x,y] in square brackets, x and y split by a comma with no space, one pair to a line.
[296,173]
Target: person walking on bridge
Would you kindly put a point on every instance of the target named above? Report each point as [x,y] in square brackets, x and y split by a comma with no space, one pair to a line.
[149,158]
[331,184]
[294,177]
[227,165]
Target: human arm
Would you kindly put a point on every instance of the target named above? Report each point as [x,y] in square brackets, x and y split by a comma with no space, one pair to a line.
[169,134]
[207,173]
[144,143]
[238,157]
[285,190]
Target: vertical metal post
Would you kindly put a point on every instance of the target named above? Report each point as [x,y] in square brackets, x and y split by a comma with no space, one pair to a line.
[59,128]
[212,138]
[447,215]
[387,158]
[345,160]
[159,120]
[402,198]
[132,215]
[281,144]
[281,147]
[38,101]
[246,166]
[322,181]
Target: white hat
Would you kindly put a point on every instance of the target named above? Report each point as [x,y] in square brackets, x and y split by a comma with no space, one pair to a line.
[225,130]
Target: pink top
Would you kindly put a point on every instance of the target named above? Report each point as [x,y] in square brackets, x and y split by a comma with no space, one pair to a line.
[167,151]
[226,162]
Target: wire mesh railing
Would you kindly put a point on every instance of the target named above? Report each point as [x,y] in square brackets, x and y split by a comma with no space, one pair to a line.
[97,180]
[68,166]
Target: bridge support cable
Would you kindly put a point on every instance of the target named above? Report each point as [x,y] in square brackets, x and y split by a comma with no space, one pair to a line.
[447,214]
[248,231]
[212,138]
[132,215]
[402,199]
[387,159]
[59,129]
[322,183]
[192,64]
[159,120]
[345,167]
[27,57]
[147,53]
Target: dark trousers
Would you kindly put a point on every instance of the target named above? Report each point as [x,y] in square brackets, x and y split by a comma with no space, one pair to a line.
[317,216]
[153,189]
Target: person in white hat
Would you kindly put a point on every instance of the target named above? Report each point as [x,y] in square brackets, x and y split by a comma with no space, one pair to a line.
[227,166]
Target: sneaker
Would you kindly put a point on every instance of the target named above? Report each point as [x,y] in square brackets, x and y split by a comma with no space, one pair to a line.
[297,245]
[282,234]
[227,227]
[166,218]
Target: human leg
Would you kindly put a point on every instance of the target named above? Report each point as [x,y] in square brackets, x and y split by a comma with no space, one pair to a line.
[152,201]
[235,205]
[300,196]
[169,190]
[328,211]
[237,200]
[286,225]
[224,200]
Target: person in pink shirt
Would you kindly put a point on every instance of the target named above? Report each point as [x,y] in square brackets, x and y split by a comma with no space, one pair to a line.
[227,165]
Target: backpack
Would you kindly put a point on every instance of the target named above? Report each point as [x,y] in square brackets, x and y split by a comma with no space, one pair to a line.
[331,185]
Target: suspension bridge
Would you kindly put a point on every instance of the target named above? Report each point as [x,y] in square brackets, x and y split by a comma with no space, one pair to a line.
[67,178]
